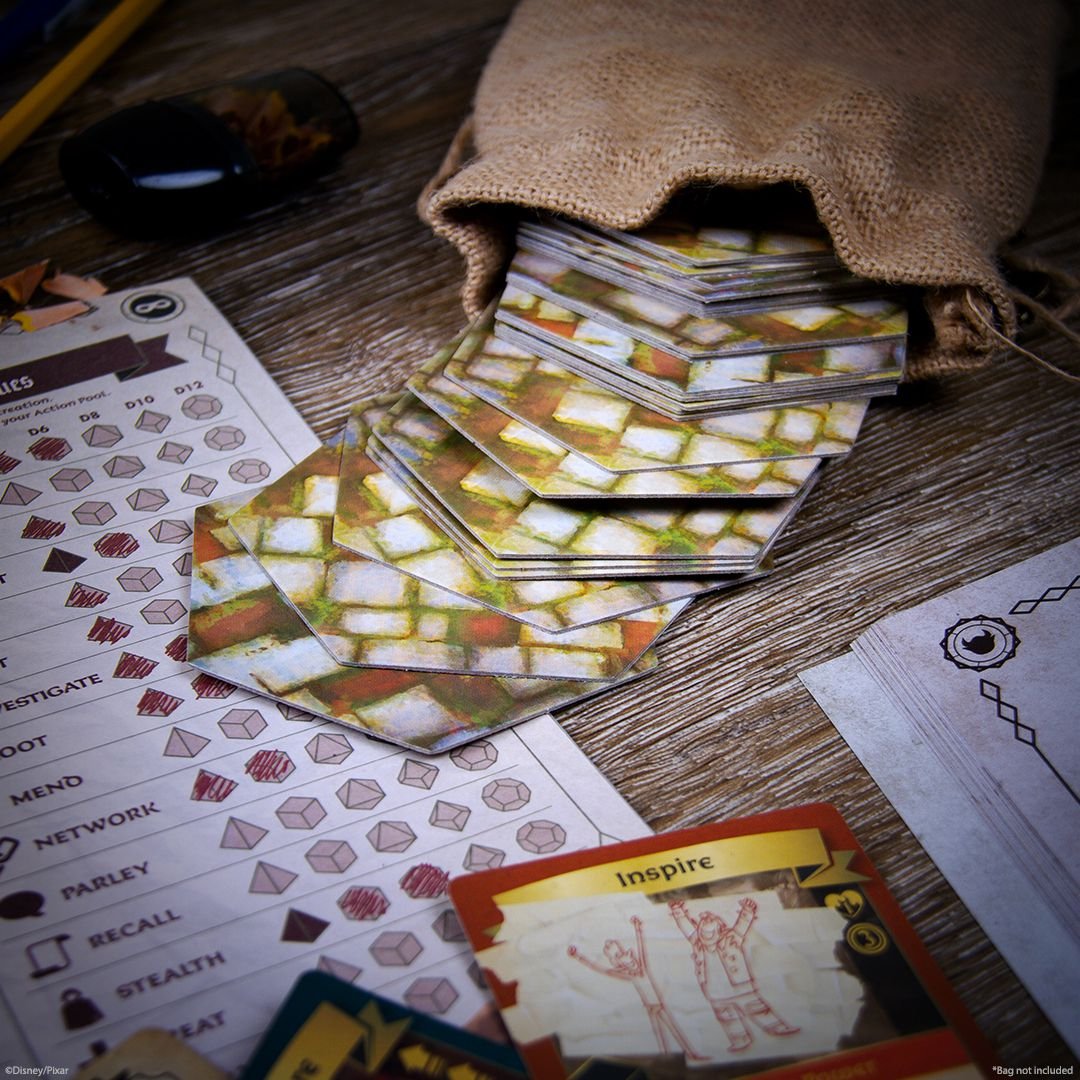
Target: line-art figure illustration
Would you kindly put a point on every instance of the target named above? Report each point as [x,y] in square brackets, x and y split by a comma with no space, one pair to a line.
[632,966]
[724,974]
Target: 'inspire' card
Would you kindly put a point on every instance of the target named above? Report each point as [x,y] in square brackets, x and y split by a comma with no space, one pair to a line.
[721,951]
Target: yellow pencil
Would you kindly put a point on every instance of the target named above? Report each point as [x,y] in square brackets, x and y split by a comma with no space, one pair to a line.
[38,104]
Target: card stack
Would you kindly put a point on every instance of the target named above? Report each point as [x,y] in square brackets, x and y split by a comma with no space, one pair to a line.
[632,425]
[689,353]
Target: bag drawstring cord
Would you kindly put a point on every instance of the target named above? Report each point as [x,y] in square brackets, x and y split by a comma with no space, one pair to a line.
[1052,318]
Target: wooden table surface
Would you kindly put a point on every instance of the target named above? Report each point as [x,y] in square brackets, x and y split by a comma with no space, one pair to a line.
[342,292]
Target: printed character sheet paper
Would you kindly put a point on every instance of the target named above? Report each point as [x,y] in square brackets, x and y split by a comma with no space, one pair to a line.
[174,851]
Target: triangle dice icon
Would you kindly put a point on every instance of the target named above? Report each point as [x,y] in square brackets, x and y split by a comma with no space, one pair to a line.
[184,743]
[270,879]
[241,834]
[299,926]
[60,561]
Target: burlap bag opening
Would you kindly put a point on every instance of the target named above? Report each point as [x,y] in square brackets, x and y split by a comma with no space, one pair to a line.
[918,130]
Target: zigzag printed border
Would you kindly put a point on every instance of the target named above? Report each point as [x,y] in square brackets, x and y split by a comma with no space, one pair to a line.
[1049,596]
[1021,732]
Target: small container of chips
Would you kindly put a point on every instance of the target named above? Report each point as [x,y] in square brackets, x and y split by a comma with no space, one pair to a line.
[189,163]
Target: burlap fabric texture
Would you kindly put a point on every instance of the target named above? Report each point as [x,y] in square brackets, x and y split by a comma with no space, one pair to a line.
[918,127]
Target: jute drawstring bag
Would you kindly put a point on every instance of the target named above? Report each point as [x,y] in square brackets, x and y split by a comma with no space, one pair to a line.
[917,128]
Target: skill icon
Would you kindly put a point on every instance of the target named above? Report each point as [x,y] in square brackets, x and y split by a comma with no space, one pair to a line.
[151,307]
[848,903]
[867,938]
[21,905]
[8,844]
[48,956]
[77,1011]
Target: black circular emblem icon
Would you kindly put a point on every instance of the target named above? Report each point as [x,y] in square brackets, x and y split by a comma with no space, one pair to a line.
[980,642]
[152,307]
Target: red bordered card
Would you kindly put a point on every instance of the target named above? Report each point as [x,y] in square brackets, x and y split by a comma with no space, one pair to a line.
[767,946]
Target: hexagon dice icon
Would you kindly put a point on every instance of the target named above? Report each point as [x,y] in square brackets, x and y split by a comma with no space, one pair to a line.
[431,995]
[224,437]
[448,815]
[482,857]
[475,756]
[163,611]
[139,579]
[173,452]
[395,948]
[202,486]
[330,857]
[300,812]
[424,882]
[363,903]
[170,531]
[329,748]
[201,407]
[391,836]
[123,466]
[506,793]
[448,927]
[249,471]
[93,512]
[102,436]
[70,479]
[118,545]
[147,500]
[541,837]
[152,421]
[270,767]
[242,723]
[50,449]
[360,794]
[419,774]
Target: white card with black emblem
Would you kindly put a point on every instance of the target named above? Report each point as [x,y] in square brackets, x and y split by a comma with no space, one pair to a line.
[978,688]
[988,674]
